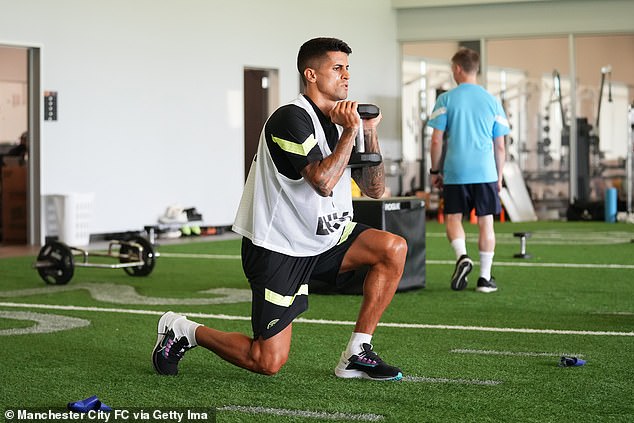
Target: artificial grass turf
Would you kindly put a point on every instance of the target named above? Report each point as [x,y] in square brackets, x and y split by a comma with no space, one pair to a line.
[111,357]
[120,373]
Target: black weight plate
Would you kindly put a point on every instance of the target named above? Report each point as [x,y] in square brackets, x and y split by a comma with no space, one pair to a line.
[364,159]
[130,254]
[61,265]
[368,111]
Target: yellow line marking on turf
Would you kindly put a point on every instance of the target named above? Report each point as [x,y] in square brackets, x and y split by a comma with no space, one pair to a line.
[325,322]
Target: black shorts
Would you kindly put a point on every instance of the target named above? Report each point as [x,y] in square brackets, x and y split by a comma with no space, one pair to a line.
[462,198]
[279,283]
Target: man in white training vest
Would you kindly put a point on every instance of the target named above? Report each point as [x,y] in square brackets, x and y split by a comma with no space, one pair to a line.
[296,220]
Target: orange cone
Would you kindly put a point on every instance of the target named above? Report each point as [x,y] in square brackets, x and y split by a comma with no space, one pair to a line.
[473,218]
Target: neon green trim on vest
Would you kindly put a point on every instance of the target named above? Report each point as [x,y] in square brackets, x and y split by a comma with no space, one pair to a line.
[346,232]
[293,147]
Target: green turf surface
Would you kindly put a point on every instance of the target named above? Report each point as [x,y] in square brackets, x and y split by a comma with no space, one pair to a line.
[449,377]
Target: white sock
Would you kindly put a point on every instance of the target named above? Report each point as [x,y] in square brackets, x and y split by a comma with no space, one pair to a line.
[185,327]
[486,261]
[459,246]
[356,339]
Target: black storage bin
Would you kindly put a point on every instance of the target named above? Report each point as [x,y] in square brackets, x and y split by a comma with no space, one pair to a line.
[402,216]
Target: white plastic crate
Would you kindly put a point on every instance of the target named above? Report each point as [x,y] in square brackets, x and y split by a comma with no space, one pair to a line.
[69,217]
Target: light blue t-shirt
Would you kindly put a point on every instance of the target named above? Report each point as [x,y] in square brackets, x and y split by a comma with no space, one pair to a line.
[472,118]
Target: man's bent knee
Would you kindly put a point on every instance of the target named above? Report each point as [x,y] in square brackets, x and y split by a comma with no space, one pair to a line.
[271,365]
[269,356]
[397,249]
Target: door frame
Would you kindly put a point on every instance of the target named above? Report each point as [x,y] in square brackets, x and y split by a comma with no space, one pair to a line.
[269,102]
[34,120]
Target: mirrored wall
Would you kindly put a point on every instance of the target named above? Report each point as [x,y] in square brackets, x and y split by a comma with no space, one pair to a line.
[568,100]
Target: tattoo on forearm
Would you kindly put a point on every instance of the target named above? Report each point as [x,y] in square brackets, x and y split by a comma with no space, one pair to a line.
[374,179]
[371,179]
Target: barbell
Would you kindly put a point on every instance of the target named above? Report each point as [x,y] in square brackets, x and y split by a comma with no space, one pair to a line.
[56,261]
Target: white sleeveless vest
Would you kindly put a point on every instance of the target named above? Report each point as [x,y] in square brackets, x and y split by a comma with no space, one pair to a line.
[288,216]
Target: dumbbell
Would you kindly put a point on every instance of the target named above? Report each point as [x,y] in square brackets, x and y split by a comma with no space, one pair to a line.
[359,157]
[522,236]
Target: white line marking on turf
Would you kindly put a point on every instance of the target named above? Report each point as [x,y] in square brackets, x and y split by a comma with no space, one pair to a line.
[325,322]
[616,313]
[45,323]
[302,413]
[201,256]
[513,353]
[450,262]
[515,330]
[128,295]
[563,265]
[120,310]
[560,238]
[446,380]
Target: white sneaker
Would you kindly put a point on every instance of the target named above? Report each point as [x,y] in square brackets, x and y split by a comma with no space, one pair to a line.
[174,214]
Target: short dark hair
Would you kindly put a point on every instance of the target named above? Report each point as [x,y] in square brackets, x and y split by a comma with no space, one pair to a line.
[467,59]
[315,49]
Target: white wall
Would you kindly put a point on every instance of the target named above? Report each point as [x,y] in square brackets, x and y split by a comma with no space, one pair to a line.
[150,91]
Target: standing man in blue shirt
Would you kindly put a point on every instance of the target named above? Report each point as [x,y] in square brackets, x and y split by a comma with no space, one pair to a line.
[471,175]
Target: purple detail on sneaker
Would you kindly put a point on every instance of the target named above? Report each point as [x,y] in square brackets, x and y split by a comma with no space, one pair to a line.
[168,346]
[367,361]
